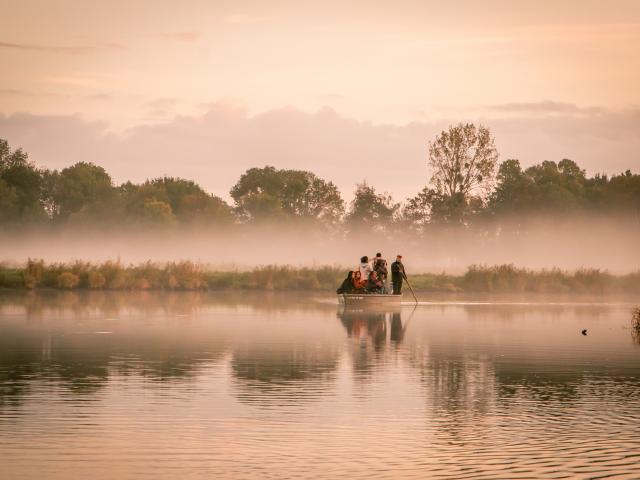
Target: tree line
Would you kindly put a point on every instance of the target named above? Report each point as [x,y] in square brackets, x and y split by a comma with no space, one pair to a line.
[467,186]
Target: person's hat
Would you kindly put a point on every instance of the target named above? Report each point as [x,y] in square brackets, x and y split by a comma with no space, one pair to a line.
[399,256]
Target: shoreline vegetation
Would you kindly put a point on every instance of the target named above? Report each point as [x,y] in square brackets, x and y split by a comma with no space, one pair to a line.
[190,276]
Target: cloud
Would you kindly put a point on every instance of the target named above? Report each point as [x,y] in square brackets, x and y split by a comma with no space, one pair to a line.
[73,50]
[187,37]
[245,19]
[215,148]
[101,96]
[544,108]
[162,103]
[16,92]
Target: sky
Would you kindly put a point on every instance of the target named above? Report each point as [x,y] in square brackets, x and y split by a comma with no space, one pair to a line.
[352,91]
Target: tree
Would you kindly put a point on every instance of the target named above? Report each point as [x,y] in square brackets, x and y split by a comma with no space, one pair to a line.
[156,212]
[188,201]
[622,193]
[370,209]
[20,186]
[548,187]
[271,194]
[431,207]
[463,160]
[515,191]
[83,189]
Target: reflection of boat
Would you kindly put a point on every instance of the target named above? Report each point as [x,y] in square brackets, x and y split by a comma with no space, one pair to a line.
[370,300]
[374,326]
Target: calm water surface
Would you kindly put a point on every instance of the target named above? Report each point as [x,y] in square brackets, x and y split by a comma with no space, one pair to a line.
[186,385]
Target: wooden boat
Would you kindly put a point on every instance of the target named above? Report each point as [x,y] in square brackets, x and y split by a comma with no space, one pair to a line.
[367,300]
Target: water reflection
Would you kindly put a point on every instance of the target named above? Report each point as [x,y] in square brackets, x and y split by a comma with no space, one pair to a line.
[242,381]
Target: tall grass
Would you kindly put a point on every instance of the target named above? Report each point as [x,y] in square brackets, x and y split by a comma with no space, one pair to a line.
[192,276]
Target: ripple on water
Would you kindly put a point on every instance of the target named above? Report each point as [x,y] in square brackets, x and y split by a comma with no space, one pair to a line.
[450,392]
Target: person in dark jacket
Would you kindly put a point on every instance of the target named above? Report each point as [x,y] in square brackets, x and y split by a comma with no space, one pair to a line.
[397,275]
[347,284]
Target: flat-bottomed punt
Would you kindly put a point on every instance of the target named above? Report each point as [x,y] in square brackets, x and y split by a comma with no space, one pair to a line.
[365,300]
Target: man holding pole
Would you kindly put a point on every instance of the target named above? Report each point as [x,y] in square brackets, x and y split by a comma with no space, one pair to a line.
[397,275]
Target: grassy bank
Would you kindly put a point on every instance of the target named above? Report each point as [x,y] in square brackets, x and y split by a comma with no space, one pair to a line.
[191,276]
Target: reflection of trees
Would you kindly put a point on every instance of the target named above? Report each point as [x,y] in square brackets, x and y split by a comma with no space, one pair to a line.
[37,305]
[19,361]
[509,312]
[537,384]
[82,359]
[459,387]
[280,374]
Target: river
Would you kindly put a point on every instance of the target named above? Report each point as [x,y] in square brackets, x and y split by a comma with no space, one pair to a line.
[193,385]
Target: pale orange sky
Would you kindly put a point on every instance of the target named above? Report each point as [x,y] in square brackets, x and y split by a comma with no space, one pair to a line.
[133,64]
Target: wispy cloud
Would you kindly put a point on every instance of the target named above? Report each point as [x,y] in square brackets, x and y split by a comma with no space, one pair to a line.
[162,103]
[187,37]
[101,96]
[16,92]
[244,19]
[59,49]
[547,107]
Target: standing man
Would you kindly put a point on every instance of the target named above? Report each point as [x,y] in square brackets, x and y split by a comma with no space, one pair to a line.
[397,275]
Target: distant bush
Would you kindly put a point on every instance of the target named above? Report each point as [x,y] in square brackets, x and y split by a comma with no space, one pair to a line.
[96,280]
[68,280]
[33,272]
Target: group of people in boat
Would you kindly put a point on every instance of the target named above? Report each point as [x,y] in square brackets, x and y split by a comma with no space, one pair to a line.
[371,277]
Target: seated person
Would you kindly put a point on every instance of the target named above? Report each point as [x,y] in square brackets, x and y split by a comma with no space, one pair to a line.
[359,286]
[374,284]
[347,284]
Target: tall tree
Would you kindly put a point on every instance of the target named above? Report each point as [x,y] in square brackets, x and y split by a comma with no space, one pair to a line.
[463,161]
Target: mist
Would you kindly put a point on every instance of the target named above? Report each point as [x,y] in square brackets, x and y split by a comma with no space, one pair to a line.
[590,242]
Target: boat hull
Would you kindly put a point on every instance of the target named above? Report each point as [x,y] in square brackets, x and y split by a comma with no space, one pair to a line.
[370,300]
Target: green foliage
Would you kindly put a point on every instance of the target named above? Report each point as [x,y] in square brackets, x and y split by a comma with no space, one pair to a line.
[271,194]
[635,319]
[20,187]
[370,209]
[508,278]
[82,189]
[156,211]
[561,189]
[96,280]
[68,280]
[173,200]
[33,273]
[463,162]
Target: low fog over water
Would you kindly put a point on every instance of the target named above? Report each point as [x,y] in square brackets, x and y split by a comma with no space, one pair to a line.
[610,244]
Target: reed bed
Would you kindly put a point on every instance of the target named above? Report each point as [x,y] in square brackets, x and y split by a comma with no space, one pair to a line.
[113,275]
